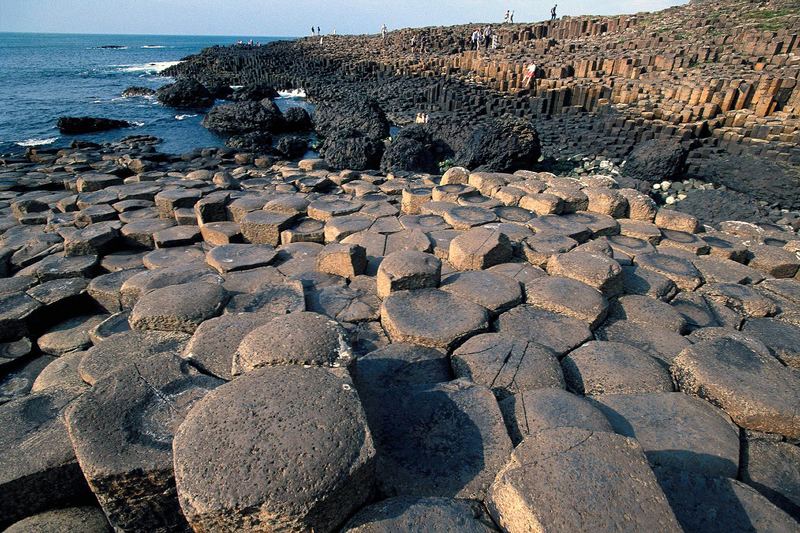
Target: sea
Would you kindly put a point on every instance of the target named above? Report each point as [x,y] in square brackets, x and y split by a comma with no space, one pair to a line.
[46,76]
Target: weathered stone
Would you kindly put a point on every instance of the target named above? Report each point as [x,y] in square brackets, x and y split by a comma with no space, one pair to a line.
[421,514]
[70,335]
[431,317]
[675,220]
[557,332]
[356,302]
[127,347]
[531,411]
[541,247]
[122,432]
[782,338]
[637,280]
[233,257]
[479,248]
[602,367]
[346,260]
[701,312]
[495,292]
[596,270]
[776,262]
[676,431]
[39,470]
[407,270]
[265,227]
[719,504]
[178,307]
[756,390]
[302,338]
[83,519]
[61,374]
[648,312]
[773,469]
[568,297]
[170,257]
[507,365]
[283,413]
[458,459]
[275,298]
[583,464]
[679,270]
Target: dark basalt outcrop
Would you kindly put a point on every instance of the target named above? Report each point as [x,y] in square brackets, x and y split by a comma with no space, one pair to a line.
[254,92]
[352,150]
[414,149]
[244,117]
[132,92]
[655,161]
[186,92]
[257,141]
[297,119]
[75,125]
[358,114]
[292,147]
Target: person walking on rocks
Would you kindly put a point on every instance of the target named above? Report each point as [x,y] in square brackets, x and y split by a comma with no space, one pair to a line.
[383,32]
[313,31]
[553,12]
[511,18]
[487,37]
[474,39]
[530,76]
[508,15]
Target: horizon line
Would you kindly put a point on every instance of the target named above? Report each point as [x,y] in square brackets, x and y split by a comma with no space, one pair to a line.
[149,34]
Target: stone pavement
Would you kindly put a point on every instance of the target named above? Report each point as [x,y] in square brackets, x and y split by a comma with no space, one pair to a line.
[225,343]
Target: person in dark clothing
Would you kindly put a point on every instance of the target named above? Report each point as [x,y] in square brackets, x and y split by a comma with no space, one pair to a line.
[553,12]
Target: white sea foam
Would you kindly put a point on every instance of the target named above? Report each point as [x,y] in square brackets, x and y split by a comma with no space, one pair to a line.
[294,93]
[155,67]
[182,117]
[37,142]
[137,124]
[154,46]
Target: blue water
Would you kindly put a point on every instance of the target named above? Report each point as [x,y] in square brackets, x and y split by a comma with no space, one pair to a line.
[45,76]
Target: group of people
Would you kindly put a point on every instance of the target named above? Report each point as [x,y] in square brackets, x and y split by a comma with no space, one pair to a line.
[316,31]
[419,43]
[484,38]
[509,18]
[421,118]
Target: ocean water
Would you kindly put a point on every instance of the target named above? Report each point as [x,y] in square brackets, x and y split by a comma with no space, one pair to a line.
[45,76]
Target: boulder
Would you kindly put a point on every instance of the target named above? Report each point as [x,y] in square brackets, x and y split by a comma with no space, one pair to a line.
[78,125]
[244,117]
[236,454]
[755,389]
[254,92]
[122,432]
[185,93]
[83,519]
[359,114]
[296,119]
[655,161]
[583,464]
[347,149]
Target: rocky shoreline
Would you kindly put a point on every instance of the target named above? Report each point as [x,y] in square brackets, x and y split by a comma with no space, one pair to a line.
[463,325]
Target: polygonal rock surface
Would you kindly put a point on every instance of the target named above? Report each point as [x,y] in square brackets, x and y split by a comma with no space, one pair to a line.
[61,373]
[682,272]
[559,333]
[782,338]
[535,410]
[568,297]
[122,432]
[70,335]
[495,292]
[431,317]
[178,307]
[233,257]
[346,260]
[236,454]
[479,248]
[773,469]
[596,270]
[215,341]
[719,504]
[440,440]
[601,367]
[38,470]
[676,431]
[421,514]
[407,270]
[507,365]
[126,347]
[755,389]
[583,464]
[83,519]
[302,338]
